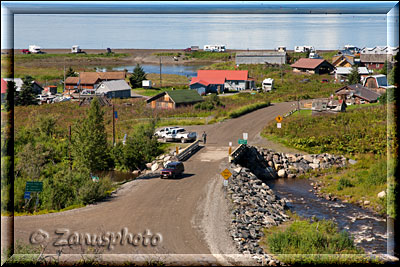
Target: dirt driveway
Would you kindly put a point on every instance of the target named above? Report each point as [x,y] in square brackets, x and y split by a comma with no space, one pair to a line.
[190,215]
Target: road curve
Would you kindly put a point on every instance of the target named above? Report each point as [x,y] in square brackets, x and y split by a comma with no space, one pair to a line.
[172,208]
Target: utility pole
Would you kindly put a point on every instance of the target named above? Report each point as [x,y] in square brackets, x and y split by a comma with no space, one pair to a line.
[113,123]
[64,77]
[69,150]
[160,74]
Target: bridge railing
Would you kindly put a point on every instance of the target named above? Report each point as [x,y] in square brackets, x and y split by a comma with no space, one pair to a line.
[235,153]
[188,151]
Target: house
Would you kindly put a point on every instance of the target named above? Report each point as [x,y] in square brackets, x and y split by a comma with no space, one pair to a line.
[218,81]
[341,73]
[377,83]
[312,66]
[326,106]
[374,58]
[3,90]
[357,94]
[114,89]
[342,60]
[174,99]
[274,58]
[37,89]
[90,80]
[50,90]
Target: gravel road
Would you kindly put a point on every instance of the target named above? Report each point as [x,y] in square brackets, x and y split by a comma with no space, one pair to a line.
[191,214]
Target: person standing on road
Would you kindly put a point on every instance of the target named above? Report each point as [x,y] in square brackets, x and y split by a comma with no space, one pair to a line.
[204,137]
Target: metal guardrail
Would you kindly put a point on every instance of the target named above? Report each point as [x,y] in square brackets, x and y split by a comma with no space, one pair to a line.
[185,153]
[235,153]
[290,113]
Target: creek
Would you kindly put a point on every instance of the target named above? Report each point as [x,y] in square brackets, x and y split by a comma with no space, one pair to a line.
[368,229]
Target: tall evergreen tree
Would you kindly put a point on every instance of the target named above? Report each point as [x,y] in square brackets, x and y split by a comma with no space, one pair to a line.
[70,73]
[26,96]
[90,148]
[137,77]
[354,76]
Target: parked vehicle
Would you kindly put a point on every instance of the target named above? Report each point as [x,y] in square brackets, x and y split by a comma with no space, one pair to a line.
[325,81]
[214,48]
[25,51]
[77,50]
[172,170]
[180,134]
[161,133]
[268,84]
[34,49]
[187,49]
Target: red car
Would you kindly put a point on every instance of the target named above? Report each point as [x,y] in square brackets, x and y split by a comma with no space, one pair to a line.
[325,81]
[187,50]
[25,51]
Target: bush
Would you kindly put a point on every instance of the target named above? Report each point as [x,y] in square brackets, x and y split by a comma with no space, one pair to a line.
[91,192]
[247,109]
[343,182]
[303,237]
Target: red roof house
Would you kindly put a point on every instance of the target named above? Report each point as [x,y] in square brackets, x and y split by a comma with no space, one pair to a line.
[217,81]
[312,66]
[3,90]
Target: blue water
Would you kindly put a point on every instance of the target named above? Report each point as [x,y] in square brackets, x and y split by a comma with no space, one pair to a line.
[178,31]
[186,70]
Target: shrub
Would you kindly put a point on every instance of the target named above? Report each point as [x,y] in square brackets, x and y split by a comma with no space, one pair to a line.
[303,237]
[343,182]
[247,109]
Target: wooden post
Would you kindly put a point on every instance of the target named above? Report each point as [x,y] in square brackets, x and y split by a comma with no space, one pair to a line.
[69,148]
[113,123]
[160,74]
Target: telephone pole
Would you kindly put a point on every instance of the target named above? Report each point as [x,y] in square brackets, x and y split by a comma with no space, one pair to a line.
[160,74]
[113,123]
[69,149]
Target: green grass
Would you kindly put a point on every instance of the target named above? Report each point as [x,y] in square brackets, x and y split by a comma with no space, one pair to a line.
[359,182]
[361,130]
[247,109]
[300,241]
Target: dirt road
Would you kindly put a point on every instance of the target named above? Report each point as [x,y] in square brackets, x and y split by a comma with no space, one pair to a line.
[190,214]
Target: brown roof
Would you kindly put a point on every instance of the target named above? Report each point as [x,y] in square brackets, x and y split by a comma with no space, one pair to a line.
[375,58]
[94,77]
[114,75]
[308,63]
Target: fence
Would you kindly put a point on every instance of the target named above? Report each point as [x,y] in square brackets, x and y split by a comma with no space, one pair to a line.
[188,151]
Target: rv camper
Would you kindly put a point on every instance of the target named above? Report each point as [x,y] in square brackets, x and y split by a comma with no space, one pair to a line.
[214,48]
[268,85]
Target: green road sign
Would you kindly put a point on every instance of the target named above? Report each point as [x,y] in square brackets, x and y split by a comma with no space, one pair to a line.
[242,142]
[34,187]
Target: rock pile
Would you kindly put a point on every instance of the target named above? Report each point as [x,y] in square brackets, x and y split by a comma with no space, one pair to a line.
[268,164]
[255,206]
[289,165]
[161,161]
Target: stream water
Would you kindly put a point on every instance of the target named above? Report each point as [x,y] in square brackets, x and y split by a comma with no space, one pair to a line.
[368,229]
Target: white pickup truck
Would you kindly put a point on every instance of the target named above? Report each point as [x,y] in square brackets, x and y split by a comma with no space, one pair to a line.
[180,134]
[161,133]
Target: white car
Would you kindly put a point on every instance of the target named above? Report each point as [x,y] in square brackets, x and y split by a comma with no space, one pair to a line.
[180,134]
[161,133]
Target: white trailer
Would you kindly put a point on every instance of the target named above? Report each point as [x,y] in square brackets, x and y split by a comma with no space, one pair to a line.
[268,84]
[214,48]
[304,48]
[34,49]
[146,84]
[76,49]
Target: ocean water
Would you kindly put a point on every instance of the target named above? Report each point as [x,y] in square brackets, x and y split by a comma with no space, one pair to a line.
[178,31]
